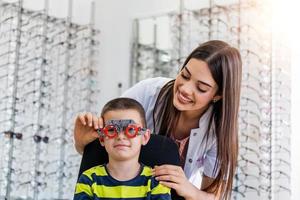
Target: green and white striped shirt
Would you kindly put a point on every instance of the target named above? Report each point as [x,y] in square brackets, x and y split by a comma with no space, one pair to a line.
[96,183]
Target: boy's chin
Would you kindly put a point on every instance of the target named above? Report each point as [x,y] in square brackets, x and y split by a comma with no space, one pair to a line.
[123,156]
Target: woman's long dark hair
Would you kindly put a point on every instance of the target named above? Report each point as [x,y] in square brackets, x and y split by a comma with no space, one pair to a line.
[225,66]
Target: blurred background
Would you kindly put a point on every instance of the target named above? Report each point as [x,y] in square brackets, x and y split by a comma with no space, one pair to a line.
[62,57]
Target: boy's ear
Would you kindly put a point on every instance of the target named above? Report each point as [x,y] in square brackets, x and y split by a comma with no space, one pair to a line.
[101,139]
[146,137]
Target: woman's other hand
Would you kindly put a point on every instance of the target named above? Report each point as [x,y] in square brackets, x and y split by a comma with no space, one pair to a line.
[85,128]
[173,177]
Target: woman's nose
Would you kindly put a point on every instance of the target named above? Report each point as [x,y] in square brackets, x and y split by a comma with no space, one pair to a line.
[187,89]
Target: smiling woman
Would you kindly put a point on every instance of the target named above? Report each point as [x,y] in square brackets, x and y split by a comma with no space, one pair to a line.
[193,109]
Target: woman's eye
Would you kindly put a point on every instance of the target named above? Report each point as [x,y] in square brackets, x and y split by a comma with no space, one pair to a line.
[184,76]
[201,90]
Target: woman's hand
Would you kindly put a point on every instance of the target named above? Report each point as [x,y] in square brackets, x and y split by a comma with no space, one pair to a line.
[173,177]
[85,130]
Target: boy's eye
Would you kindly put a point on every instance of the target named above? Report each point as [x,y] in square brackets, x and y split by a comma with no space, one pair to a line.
[131,130]
[111,130]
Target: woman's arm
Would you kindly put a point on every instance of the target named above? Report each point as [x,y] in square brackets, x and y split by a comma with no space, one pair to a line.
[85,124]
[85,130]
[174,177]
[207,181]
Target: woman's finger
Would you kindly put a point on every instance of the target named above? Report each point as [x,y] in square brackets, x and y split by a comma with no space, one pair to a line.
[100,122]
[169,169]
[81,118]
[89,117]
[172,185]
[161,172]
[169,178]
[95,122]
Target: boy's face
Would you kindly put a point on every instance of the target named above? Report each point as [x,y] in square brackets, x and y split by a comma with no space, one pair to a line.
[121,147]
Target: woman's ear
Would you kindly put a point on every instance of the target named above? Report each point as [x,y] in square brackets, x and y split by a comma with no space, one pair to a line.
[216,98]
[146,137]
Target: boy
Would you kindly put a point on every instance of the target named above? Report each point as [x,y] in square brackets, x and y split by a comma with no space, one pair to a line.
[123,177]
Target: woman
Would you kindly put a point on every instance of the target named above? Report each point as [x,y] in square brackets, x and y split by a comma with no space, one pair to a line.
[199,111]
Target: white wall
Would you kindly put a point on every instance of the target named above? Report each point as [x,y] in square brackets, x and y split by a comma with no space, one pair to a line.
[295,137]
[295,111]
[114,19]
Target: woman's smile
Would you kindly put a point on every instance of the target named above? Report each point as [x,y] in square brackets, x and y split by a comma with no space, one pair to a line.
[183,98]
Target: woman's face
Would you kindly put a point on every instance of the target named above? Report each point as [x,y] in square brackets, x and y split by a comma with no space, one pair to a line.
[194,87]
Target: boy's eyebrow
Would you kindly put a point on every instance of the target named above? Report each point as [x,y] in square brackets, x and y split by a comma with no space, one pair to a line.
[204,83]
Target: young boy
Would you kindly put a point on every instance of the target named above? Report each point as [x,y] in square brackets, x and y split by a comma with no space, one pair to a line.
[123,177]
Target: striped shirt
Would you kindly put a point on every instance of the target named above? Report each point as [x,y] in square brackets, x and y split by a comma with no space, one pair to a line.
[96,183]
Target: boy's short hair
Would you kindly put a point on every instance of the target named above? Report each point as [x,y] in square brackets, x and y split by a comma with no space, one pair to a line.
[124,103]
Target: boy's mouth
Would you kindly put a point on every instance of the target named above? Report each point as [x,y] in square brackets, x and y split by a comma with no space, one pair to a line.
[121,146]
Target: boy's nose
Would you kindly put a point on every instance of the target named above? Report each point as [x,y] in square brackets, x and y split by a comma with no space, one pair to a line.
[121,135]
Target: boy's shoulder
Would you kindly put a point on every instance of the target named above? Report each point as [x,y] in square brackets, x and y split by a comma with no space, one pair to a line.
[155,186]
[146,170]
[98,170]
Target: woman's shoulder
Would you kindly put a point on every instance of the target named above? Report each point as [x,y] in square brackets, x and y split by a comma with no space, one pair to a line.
[146,87]
[152,82]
